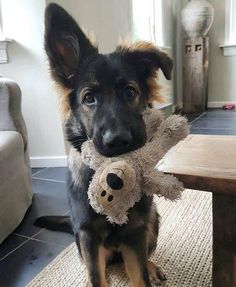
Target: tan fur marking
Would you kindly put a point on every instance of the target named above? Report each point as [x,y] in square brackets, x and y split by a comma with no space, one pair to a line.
[85,257]
[155,90]
[101,263]
[132,267]
[152,269]
[64,106]
[90,36]
[151,238]
[102,266]
[126,46]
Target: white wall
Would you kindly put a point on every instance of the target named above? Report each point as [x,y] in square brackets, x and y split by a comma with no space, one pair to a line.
[23,22]
[222,71]
[177,52]
[170,10]
[108,19]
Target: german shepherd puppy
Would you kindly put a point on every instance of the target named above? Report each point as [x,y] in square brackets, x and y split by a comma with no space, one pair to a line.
[103,98]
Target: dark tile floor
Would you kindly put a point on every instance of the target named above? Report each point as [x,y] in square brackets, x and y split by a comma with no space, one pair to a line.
[29,249]
[215,122]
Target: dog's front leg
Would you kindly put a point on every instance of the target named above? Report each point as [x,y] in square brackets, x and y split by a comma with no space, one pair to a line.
[136,267]
[93,255]
[134,253]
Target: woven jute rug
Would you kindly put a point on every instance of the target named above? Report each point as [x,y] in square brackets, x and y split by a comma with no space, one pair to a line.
[184,249]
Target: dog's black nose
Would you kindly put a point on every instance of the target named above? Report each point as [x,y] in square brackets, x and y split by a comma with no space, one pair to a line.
[117,140]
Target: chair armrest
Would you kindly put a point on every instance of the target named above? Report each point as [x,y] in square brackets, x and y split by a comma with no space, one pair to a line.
[13,92]
[6,122]
[11,144]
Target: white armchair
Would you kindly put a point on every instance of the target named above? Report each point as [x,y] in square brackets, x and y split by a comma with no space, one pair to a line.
[15,172]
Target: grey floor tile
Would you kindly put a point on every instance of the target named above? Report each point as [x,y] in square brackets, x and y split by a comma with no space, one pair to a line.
[11,243]
[193,117]
[220,114]
[208,123]
[35,170]
[55,237]
[53,173]
[21,266]
[49,199]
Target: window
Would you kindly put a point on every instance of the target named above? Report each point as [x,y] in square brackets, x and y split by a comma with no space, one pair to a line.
[230,23]
[1,32]
[147,20]
[229,47]
[3,42]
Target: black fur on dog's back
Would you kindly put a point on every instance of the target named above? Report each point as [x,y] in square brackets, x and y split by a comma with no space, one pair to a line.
[103,98]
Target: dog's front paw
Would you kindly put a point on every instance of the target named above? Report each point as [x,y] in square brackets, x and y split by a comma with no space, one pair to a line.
[157,276]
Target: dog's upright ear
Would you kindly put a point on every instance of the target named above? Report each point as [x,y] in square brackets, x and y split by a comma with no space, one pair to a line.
[66,45]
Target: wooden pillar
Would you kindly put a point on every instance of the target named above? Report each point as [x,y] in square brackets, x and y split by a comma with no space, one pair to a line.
[224,240]
[195,74]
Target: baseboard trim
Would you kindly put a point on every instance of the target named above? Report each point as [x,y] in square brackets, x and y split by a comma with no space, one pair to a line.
[48,161]
[218,104]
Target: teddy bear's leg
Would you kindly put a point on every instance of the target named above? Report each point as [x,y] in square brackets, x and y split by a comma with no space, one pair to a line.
[162,184]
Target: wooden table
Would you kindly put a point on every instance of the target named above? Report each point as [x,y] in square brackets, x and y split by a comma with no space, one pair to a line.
[205,162]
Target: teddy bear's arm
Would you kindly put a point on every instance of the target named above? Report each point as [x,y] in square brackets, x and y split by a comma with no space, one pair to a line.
[162,184]
[171,131]
[91,157]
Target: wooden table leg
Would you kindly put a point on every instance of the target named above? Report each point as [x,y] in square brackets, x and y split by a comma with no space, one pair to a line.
[224,240]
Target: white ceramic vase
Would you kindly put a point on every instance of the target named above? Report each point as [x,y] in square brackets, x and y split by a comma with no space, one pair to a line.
[197,17]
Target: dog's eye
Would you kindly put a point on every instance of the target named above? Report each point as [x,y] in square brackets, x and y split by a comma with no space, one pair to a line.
[89,99]
[131,93]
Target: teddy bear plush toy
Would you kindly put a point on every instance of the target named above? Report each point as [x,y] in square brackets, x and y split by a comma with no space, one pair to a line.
[119,182]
